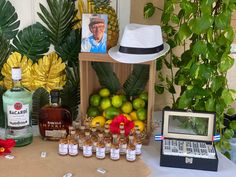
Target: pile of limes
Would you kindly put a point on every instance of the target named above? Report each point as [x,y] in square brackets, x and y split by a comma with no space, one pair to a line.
[103,107]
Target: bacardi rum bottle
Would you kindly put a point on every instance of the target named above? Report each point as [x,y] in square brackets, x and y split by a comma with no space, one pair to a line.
[17,106]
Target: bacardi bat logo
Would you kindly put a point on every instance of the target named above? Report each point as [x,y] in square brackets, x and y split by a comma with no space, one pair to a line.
[18,106]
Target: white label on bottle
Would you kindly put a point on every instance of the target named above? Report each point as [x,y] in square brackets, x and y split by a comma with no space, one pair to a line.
[130,155]
[73,149]
[123,148]
[54,133]
[108,147]
[115,154]
[63,149]
[100,152]
[87,151]
[138,149]
[18,115]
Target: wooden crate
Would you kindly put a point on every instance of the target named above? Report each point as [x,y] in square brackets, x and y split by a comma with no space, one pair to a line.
[89,81]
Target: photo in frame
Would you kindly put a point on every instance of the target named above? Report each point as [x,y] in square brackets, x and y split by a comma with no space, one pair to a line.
[94,33]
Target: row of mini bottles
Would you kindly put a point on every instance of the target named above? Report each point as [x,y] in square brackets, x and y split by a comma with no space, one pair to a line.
[101,143]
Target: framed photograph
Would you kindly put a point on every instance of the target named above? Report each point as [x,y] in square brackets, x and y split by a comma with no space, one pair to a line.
[94,33]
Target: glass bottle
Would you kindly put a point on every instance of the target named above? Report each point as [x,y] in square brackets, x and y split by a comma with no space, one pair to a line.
[138,143]
[107,141]
[130,154]
[115,150]
[100,149]
[17,106]
[94,138]
[54,118]
[72,144]
[87,146]
[63,144]
[81,136]
[122,142]
[98,128]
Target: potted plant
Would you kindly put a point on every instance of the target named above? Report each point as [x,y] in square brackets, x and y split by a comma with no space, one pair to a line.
[203,30]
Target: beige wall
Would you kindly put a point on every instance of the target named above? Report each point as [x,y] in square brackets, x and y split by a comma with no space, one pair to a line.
[137,17]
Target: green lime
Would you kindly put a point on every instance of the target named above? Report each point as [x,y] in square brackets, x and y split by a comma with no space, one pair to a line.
[144,96]
[104,92]
[93,111]
[116,101]
[105,103]
[127,107]
[94,100]
[138,103]
[123,97]
[142,114]
[111,112]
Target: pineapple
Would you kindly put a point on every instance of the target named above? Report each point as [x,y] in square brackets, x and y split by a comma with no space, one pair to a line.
[104,7]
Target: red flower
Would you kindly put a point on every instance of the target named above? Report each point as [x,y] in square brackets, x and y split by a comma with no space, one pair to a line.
[114,126]
[6,145]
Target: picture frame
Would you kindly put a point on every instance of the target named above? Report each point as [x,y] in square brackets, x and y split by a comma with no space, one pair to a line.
[94,33]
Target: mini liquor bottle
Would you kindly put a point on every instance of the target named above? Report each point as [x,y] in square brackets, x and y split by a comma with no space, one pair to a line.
[122,142]
[17,106]
[131,154]
[138,143]
[107,141]
[115,150]
[94,138]
[54,118]
[81,136]
[72,144]
[100,149]
[98,128]
[63,144]
[87,146]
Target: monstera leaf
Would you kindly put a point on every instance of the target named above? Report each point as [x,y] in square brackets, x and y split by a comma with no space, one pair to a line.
[70,47]
[8,20]
[59,19]
[2,117]
[107,78]
[70,95]
[4,50]
[137,80]
[40,99]
[32,42]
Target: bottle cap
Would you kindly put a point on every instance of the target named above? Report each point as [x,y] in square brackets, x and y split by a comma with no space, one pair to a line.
[55,95]
[16,73]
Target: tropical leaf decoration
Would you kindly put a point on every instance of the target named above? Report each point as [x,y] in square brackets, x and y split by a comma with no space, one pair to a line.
[2,117]
[59,19]
[49,72]
[137,80]
[70,94]
[40,99]
[17,60]
[70,47]
[8,20]
[5,50]
[107,78]
[32,42]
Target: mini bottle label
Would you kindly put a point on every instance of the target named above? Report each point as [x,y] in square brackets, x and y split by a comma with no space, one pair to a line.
[138,148]
[100,152]
[130,155]
[87,151]
[63,149]
[115,154]
[18,115]
[73,149]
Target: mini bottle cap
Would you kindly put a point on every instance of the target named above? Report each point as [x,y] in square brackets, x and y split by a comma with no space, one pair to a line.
[100,135]
[16,73]
[87,133]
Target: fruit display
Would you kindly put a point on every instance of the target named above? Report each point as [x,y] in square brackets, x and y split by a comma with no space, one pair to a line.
[104,106]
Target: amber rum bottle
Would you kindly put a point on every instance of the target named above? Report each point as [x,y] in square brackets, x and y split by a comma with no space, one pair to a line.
[107,140]
[63,144]
[94,138]
[72,144]
[115,149]
[100,149]
[131,154]
[138,142]
[87,146]
[54,118]
[81,136]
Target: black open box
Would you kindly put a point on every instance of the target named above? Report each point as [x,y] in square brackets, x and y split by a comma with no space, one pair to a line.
[174,130]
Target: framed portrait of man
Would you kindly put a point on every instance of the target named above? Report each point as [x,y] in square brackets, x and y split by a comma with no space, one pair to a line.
[94,33]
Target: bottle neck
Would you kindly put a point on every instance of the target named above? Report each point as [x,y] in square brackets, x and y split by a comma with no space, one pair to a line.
[17,84]
[115,140]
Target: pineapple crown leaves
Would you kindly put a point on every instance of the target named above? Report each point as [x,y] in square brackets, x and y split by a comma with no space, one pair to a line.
[100,3]
[59,19]
[8,20]
[32,42]
[137,80]
[107,78]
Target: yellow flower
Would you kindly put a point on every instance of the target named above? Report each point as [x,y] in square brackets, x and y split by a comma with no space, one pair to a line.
[16,60]
[49,72]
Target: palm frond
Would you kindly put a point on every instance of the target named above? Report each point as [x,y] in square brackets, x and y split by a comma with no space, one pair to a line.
[2,117]
[40,99]
[32,41]
[59,19]
[70,95]
[8,20]
[137,80]
[4,50]
[107,78]
[70,47]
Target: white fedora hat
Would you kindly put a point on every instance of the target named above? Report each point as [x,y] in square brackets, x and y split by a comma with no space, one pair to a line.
[139,43]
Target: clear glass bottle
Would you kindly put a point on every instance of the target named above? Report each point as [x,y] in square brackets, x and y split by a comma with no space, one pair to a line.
[122,142]
[72,144]
[94,138]
[100,149]
[138,143]
[81,136]
[107,141]
[115,149]
[131,154]
[54,118]
[87,146]
[63,144]
[17,106]
[98,128]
